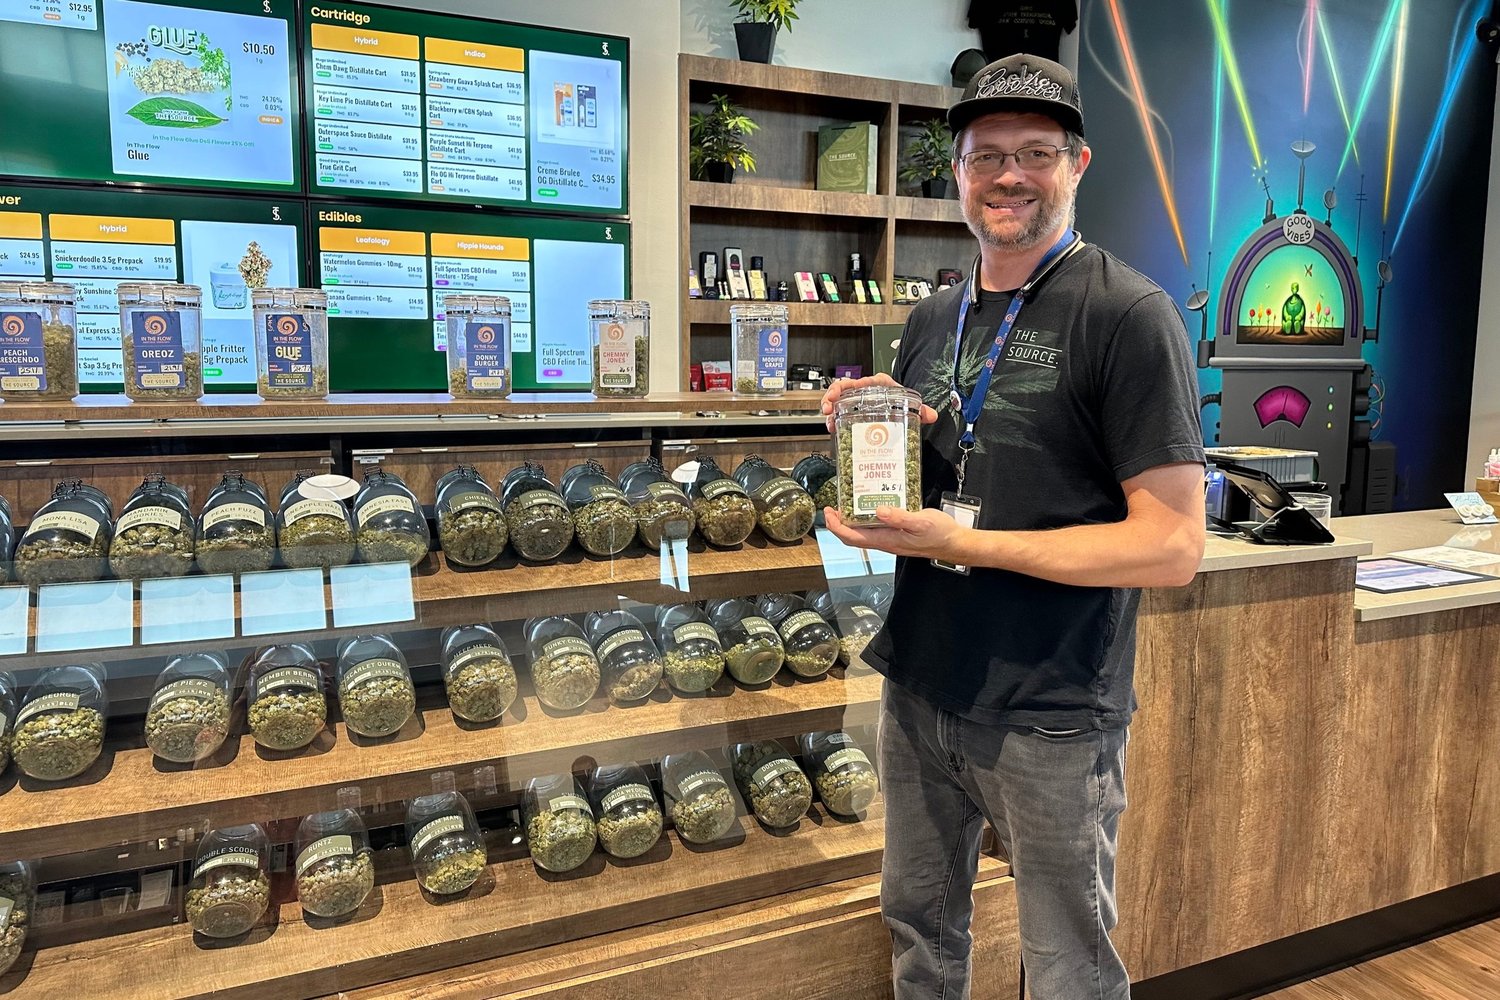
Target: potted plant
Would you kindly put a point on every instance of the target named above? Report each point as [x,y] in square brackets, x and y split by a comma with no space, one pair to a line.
[929,158]
[717,139]
[755,31]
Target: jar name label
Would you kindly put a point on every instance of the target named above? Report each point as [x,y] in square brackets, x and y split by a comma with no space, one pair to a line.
[289,360]
[340,845]
[156,349]
[247,512]
[537,498]
[700,779]
[309,508]
[377,506]
[603,492]
[771,770]
[163,517]
[287,677]
[773,488]
[230,856]
[566,646]
[473,501]
[430,831]
[617,340]
[23,365]
[878,456]
[63,701]
[196,688]
[468,656]
[626,793]
[695,630]
[719,487]
[369,670]
[561,802]
[845,757]
[660,490]
[620,638]
[798,622]
[486,344]
[66,520]
[757,626]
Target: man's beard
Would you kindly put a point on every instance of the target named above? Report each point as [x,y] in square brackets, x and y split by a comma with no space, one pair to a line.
[1051,213]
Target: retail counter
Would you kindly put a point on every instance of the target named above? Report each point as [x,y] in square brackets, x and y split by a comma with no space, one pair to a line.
[1391,533]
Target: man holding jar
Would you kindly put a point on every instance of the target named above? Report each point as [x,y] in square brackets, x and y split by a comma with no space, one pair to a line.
[1062,467]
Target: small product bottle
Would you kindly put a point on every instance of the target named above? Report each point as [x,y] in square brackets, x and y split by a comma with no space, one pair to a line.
[540,523]
[771,782]
[38,341]
[8,704]
[621,332]
[287,708]
[313,526]
[629,820]
[564,669]
[841,771]
[477,673]
[236,533]
[663,511]
[878,430]
[161,336]
[603,521]
[231,884]
[726,514]
[478,345]
[559,823]
[811,646]
[188,717]
[753,652]
[60,727]
[335,871]
[1492,467]
[18,906]
[68,539]
[471,525]
[692,654]
[758,349]
[628,660]
[783,508]
[697,796]
[447,848]
[291,342]
[376,695]
[390,524]
[154,535]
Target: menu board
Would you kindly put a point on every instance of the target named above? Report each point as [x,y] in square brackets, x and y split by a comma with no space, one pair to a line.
[424,106]
[386,271]
[94,240]
[194,92]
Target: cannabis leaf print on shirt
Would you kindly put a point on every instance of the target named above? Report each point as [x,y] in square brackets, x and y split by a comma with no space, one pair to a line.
[1007,420]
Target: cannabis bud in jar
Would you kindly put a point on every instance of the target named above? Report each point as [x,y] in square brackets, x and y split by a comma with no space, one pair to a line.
[819,476]
[879,433]
[335,872]
[17,902]
[471,525]
[621,333]
[154,536]
[541,525]
[758,348]
[188,718]
[726,514]
[603,522]
[629,661]
[564,669]
[784,509]
[38,340]
[630,821]
[285,694]
[291,342]
[68,539]
[235,531]
[841,771]
[811,645]
[313,525]
[856,623]
[663,511]
[392,527]
[698,798]
[161,334]
[559,823]
[447,849]
[478,345]
[477,673]
[60,727]
[693,657]
[752,647]
[8,705]
[230,888]
[376,695]
[773,785]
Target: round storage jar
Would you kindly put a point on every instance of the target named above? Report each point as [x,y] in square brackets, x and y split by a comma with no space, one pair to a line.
[231,884]
[628,660]
[540,523]
[313,526]
[68,539]
[878,433]
[663,511]
[564,669]
[752,647]
[629,820]
[376,695]
[692,655]
[819,476]
[161,337]
[188,716]
[236,533]
[287,708]
[811,645]
[841,771]
[335,872]
[559,823]
[725,512]
[758,348]
[60,727]
[471,525]
[771,782]
[291,342]
[621,333]
[154,535]
[447,848]
[698,797]
[391,525]
[38,341]
[603,522]
[478,345]
[477,673]
[783,508]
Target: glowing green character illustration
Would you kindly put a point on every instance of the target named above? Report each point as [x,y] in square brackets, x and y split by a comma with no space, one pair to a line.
[1293,312]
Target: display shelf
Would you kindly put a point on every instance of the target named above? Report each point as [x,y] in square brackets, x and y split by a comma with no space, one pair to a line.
[842,314]
[780,79]
[929,210]
[749,196]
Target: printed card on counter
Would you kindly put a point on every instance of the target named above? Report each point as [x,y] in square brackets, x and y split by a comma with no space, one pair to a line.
[187,609]
[84,616]
[1472,508]
[282,600]
[372,595]
[14,604]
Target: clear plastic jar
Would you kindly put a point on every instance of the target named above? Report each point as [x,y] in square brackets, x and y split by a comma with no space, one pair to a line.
[7,539]
[564,669]
[855,622]
[38,340]
[391,525]
[447,849]
[772,784]
[478,345]
[662,510]
[758,348]
[628,660]
[68,539]
[161,333]
[313,527]
[8,705]
[841,771]
[154,535]
[621,334]
[285,694]
[471,525]
[878,596]
[697,796]
[629,820]
[291,342]
[783,509]
[811,646]
[540,523]
[819,476]
[60,727]
[725,512]
[231,884]
[752,647]
[692,655]
[17,909]
[559,823]
[188,716]
[236,533]
[603,521]
[335,870]
[376,695]
[878,437]
[477,673]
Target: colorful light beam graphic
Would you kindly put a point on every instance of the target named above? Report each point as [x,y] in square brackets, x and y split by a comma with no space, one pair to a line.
[1377,57]
[1439,122]
[1338,84]
[1307,55]
[1232,68]
[1213,178]
[1397,73]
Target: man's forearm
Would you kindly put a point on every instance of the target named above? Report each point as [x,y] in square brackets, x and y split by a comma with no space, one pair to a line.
[1089,555]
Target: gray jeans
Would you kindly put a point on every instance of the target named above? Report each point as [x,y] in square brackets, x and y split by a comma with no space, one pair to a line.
[1055,803]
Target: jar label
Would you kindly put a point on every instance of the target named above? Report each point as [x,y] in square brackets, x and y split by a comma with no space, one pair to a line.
[565,646]
[617,339]
[771,770]
[845,757]
[695,630]
[63,701]
[773,488]
[67,520]
[384,505]
[603,492]
[863,612]
[878,455]
[538,498]
[700,779]
[626,793]
[164,517]
[472,653]
[757,626]
[474,501]
[156,346]
[289,353]
[430,831]
[719,487]
[196,688]
[798,622]
[561,802]
[486,345]
[370,670]
[840,739]
[295,512]
[226,857]
[247,512]
[23,366]
[659,490]
[6,905]
[770,368]
[620,638]
[287,677]
[340,845]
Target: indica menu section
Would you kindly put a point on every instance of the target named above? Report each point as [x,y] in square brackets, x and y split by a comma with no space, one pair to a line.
[413,105]
[387,270]
[196,92]
[94,240]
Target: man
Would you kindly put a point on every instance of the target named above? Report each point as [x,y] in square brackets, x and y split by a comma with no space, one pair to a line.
[1010,688]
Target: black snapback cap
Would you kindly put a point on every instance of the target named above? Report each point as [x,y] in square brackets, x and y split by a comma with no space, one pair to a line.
[1023,84]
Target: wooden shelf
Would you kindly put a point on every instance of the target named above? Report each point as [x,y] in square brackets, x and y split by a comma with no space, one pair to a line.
[929,210]
[782,79]
[748,196]
[929,96]
[804,313]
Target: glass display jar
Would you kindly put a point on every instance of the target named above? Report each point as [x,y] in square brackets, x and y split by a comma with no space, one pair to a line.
[390,524]
[478,345]
[477,673]
[447,848]
[68,539]
[335,870]
[231,884]
[878,596]
[188,716]
[8,705]
[628,660]
[692,655]
[855,622]
[559,823]
[758,348]
[725,512]
[811,646]
[161,335]
[287,708]
[662,510]
[17,909]
[784,510]
[7,539]
[471,525]
[841,771]
[697,796]
[291,342]
[60,727]
[313,526]
[236,533]
[819,476]
[752,647]
[629,821]
[621,333]
[878,437]
[540,523]
[38,341]
[376,695]
[564,669]
[603,522]
[154,535]
[772,784]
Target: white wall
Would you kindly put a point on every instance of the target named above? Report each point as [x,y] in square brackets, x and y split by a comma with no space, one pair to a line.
[1484,414]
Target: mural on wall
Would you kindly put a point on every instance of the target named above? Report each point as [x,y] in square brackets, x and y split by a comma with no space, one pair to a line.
[1307,178]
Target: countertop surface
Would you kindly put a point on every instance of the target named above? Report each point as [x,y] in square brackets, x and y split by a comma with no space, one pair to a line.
[1424,529]
[1221,553]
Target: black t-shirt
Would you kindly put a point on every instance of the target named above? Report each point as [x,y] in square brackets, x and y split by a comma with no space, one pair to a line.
[1095,386]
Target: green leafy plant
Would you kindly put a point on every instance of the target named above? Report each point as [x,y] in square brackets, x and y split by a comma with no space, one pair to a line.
[718,136]
[214,63]
[781,13]
[929,154]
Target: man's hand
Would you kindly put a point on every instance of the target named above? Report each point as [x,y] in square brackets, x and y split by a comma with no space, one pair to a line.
[843,385]
[927,533]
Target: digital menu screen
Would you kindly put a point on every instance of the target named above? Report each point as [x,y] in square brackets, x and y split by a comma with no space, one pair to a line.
[386,271]
[94,240]
[402,104]
[195,92]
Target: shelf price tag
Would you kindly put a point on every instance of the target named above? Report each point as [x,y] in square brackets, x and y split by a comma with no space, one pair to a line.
[282,600]
[187,609]
[84,616]
[14,603]
[372,595]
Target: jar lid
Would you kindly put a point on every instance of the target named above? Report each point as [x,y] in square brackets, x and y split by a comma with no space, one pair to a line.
[619,309]
[879,396]
[758,313]
[312,299]
[158,292]
[486,305]
[48,292]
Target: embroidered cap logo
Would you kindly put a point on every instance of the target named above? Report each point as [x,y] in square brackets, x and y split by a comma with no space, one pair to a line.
[1026,83]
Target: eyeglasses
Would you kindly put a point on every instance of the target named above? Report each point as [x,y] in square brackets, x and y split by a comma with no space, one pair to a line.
[1033,159]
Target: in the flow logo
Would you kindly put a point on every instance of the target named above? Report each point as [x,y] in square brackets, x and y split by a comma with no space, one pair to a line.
[156,325]
[14,326]
[876,435]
